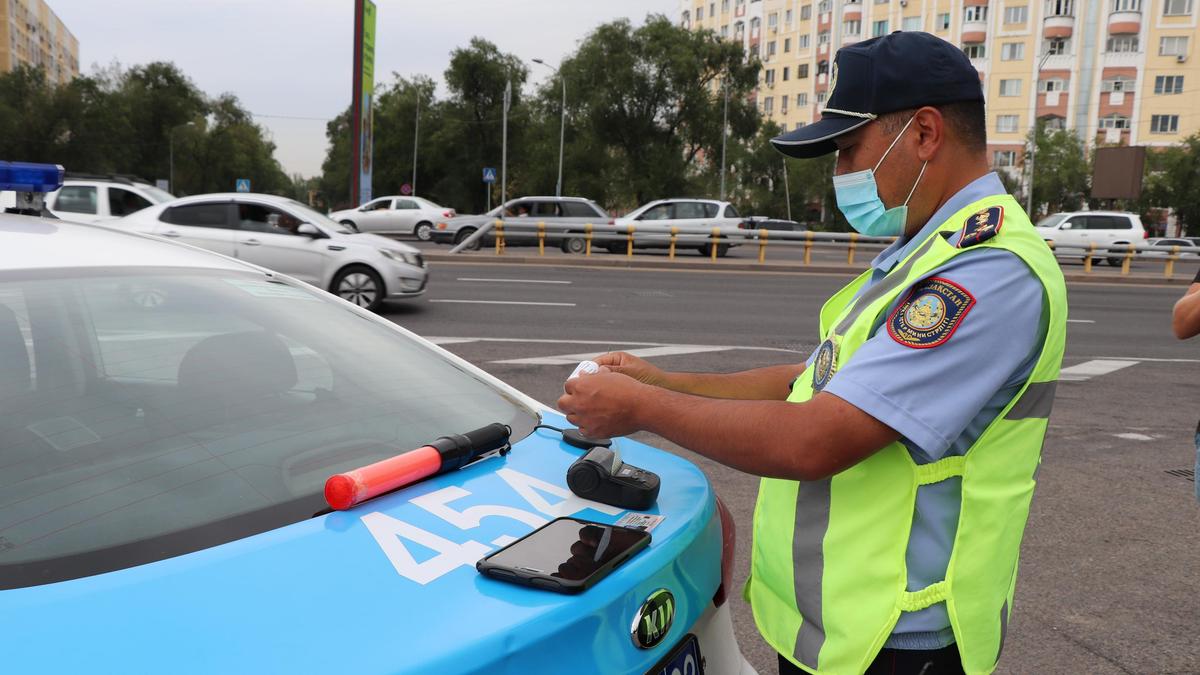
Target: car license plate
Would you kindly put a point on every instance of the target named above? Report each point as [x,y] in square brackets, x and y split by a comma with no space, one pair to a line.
[683,660]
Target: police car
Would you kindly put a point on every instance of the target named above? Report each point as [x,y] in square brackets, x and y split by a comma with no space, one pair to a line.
[168,418]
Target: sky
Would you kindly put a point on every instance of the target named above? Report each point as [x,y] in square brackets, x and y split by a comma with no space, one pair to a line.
[290,61]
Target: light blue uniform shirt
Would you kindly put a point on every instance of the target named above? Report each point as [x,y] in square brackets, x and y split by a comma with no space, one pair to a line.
[941,399]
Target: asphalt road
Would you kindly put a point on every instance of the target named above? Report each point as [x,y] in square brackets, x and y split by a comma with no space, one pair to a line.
[1111,558]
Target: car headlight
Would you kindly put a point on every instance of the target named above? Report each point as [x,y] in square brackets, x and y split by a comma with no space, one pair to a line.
[413,259]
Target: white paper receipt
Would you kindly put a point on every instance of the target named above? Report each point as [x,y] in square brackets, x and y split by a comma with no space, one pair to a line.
[640,521]
[585,368]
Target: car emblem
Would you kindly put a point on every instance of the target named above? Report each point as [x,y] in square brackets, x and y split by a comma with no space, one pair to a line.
[653,620]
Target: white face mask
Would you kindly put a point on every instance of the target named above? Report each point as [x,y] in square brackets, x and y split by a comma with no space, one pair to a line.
[858,199]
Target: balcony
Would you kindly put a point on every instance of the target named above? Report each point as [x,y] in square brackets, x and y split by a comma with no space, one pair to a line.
[851,12]
[974,32]
[1120,59]
[1124,23]
[1058,26]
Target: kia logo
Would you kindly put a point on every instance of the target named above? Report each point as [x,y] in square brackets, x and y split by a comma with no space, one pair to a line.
[653,620]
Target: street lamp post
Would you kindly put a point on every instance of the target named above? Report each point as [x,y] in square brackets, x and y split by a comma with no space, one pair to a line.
[1033,143]
[724,134]
[562,127]
[416,140]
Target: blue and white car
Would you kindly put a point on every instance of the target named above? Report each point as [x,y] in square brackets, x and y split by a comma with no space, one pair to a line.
[168,418]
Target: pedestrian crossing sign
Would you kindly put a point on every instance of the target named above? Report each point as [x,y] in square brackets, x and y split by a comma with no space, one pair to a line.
[243,185]
[489,174]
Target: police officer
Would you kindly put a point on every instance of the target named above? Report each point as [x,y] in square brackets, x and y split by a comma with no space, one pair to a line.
[899,461]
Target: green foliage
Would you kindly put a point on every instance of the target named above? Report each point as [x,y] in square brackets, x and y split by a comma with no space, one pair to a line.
[1173,181]
[1062,170]
[123,121]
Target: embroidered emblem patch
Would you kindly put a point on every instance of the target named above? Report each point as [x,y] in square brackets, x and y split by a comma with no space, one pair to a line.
[930,313]
[824,364]
[981,226]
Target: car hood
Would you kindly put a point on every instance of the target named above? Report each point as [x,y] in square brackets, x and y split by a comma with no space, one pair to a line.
[375,240]
[386,587]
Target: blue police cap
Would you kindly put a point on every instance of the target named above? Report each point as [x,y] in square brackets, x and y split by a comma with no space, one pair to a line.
[901,71]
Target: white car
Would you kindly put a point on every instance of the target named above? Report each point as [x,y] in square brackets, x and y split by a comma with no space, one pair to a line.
[688,216]
[94,199]
[1105,229]
[396,215]
[286,236]
[1160,247]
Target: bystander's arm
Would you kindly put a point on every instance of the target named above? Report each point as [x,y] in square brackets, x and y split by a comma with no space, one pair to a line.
[1185,319]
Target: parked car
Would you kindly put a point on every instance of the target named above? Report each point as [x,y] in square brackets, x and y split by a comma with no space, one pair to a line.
[395,215]
[1160,247]
[565,219]
[753,224]
[1081,229]
[163,472]
[286,236]
[91,199]
[688,216]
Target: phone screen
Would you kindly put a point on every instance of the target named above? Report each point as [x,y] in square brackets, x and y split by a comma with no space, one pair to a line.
[568,549]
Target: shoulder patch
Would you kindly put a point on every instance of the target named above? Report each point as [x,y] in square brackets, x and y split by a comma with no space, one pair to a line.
[825,363]
[930,313]
[981,226]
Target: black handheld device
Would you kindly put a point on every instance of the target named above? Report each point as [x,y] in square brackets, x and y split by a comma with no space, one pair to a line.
[566,555]
[601,476]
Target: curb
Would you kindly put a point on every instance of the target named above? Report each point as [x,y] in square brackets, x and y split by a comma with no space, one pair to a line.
[623,262]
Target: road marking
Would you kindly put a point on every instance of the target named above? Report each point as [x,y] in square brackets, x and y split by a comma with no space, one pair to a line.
[1080,321]
[508,302]
[1134,437]
[1139,359]
[572,359]
[1093,368]
[609,344]
[515,281]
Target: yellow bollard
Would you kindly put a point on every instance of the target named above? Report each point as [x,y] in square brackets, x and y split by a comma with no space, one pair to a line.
[629,250]
[541,238]
[1169,270]
[674,236]
[587,237]
[808,241]
[499,237]
[716,242]
[762,246]
[1128,260]
[1087,260]
[850,253]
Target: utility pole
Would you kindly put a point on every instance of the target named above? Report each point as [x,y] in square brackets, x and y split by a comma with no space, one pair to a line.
[787,194]
[416,140]
[562,127]
[504,144]
[1033,144]
[724,134]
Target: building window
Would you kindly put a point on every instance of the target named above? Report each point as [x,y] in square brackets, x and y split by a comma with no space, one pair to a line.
[943,21]
[739,30]
[787,17]
[700,13]
[1012,51]
[911,23]
[823,37]
[712,10]
[825,6]
[787,45]
[724,5]
[1164,124]
[1016,14]
[770,49]
[770,77]
[1177,7]
[820,97]
[687,19]
[881,2]
[806,12]
[773,20]
[1056,46]
[1175,45]
[801,99]
[1168,84]
[783,105]
[1114,122]
[1060,7]
[1117,84]
[1003,159]
[1010,87]
[1122,43]
[1126,5]
[769,105]
[852,28]
[802,42]
[1006,124]
[755,24]
[822,67]
[786,71]
[1053,84]
[879,28]
[976,13]
[1054,123]
[974,51]
[725,31]
[802,71]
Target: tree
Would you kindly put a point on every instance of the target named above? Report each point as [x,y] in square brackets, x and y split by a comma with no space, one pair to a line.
[1062,172]
[1173,181]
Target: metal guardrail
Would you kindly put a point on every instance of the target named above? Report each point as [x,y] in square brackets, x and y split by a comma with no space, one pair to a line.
[712,239]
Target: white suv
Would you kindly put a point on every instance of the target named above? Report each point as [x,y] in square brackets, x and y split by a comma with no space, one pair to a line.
[92,199]
[689,216]
[1081,229]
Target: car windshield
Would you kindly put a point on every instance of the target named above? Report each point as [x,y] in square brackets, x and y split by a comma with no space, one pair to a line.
[156,195]
[317,218]
[1051,220]
[149,413]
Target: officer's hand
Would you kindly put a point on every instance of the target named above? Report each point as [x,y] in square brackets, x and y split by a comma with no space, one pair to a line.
[637,368]
[602,405]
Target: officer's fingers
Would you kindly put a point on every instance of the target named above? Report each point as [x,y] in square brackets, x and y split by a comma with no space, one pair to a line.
[612,359]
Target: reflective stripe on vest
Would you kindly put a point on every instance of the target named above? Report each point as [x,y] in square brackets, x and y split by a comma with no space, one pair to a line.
[828,575]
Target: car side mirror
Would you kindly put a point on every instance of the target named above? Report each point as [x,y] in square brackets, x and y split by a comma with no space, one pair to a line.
[1065,226]
[310,230]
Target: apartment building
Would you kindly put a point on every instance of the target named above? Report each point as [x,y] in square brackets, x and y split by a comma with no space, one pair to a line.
[1119,72]
[32,34]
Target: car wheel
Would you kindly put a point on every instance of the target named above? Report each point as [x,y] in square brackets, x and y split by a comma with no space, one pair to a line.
[350,223]
[462,236]
[574,244]
[1115,262]
[706,250]
[360,285]
[423,231]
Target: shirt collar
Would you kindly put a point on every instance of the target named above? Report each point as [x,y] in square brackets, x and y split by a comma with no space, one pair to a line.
[987,185]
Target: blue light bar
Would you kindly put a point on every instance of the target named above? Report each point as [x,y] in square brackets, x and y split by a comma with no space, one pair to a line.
[29,177]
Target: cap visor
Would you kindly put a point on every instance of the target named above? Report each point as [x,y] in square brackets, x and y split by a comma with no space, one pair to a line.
[816,139]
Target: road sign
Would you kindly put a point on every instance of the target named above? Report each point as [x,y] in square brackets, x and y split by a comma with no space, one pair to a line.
[489,175]
[406,189]
[243,185]
[163,184]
